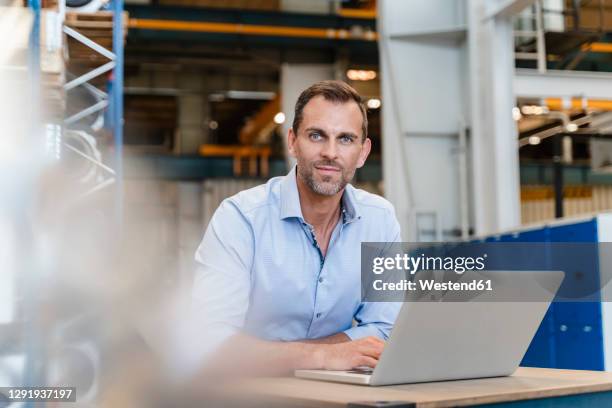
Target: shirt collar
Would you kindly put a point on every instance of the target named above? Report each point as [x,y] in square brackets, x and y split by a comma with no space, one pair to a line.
[290,200]
[289,197]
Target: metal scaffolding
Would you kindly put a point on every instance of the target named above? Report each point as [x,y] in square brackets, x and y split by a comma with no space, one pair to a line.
[111,101]
[34,275]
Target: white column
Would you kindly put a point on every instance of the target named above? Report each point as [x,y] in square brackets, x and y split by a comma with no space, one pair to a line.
[189,228]
[447,65]
[422,58]
[294,79]
[190,118]
[495,161]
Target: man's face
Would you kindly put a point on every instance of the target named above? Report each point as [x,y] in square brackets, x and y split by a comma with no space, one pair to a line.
[328,146]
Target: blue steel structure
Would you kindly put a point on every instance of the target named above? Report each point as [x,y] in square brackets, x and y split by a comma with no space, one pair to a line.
[571,335]
[117,106]
[111,101]
[34,344]
[35,356]
[34,62]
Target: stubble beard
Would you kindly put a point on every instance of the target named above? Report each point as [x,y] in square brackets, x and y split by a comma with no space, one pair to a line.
[326,186]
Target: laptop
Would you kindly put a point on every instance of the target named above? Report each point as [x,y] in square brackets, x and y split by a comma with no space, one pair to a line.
[447,339]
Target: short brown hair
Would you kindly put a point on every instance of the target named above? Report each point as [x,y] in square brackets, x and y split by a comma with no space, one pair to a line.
[333,91]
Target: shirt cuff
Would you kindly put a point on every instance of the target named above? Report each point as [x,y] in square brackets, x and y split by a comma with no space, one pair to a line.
[358,332]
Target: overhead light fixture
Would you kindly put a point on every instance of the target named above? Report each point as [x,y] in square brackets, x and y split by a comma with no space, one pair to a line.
[279,118]
[373,103]
[360,75]
[253,95]
[534,140]
[220,96]
[571,127]
[516,114]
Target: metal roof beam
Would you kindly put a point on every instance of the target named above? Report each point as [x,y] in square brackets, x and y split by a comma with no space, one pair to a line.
[508,8]
[529,83]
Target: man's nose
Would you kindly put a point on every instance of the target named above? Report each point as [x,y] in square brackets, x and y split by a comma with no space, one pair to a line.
[329,149]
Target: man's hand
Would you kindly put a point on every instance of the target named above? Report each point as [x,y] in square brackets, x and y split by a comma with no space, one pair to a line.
[351,354]
[261,357]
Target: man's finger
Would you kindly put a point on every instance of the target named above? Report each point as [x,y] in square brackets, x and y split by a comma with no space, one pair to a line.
[372,340]
[370,351]
[366,361]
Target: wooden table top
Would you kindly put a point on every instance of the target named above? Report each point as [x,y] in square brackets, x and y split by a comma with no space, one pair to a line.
[525,383]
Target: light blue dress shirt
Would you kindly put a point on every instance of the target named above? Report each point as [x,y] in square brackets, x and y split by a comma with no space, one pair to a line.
[260,270]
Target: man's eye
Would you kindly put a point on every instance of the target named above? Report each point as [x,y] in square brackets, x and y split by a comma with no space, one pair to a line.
[315,136]
[346,139]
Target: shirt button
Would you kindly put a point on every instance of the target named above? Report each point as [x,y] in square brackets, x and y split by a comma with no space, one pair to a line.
[320,280]
[318,315]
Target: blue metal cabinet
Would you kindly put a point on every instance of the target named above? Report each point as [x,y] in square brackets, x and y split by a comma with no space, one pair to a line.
[572,333]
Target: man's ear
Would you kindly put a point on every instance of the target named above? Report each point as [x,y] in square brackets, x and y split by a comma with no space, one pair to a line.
[365,151]
[291,142]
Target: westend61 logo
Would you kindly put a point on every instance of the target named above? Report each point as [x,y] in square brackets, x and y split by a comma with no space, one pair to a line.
[413,264]
[484,271]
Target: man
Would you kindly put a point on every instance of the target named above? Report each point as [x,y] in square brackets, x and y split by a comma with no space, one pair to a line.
[278,274]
